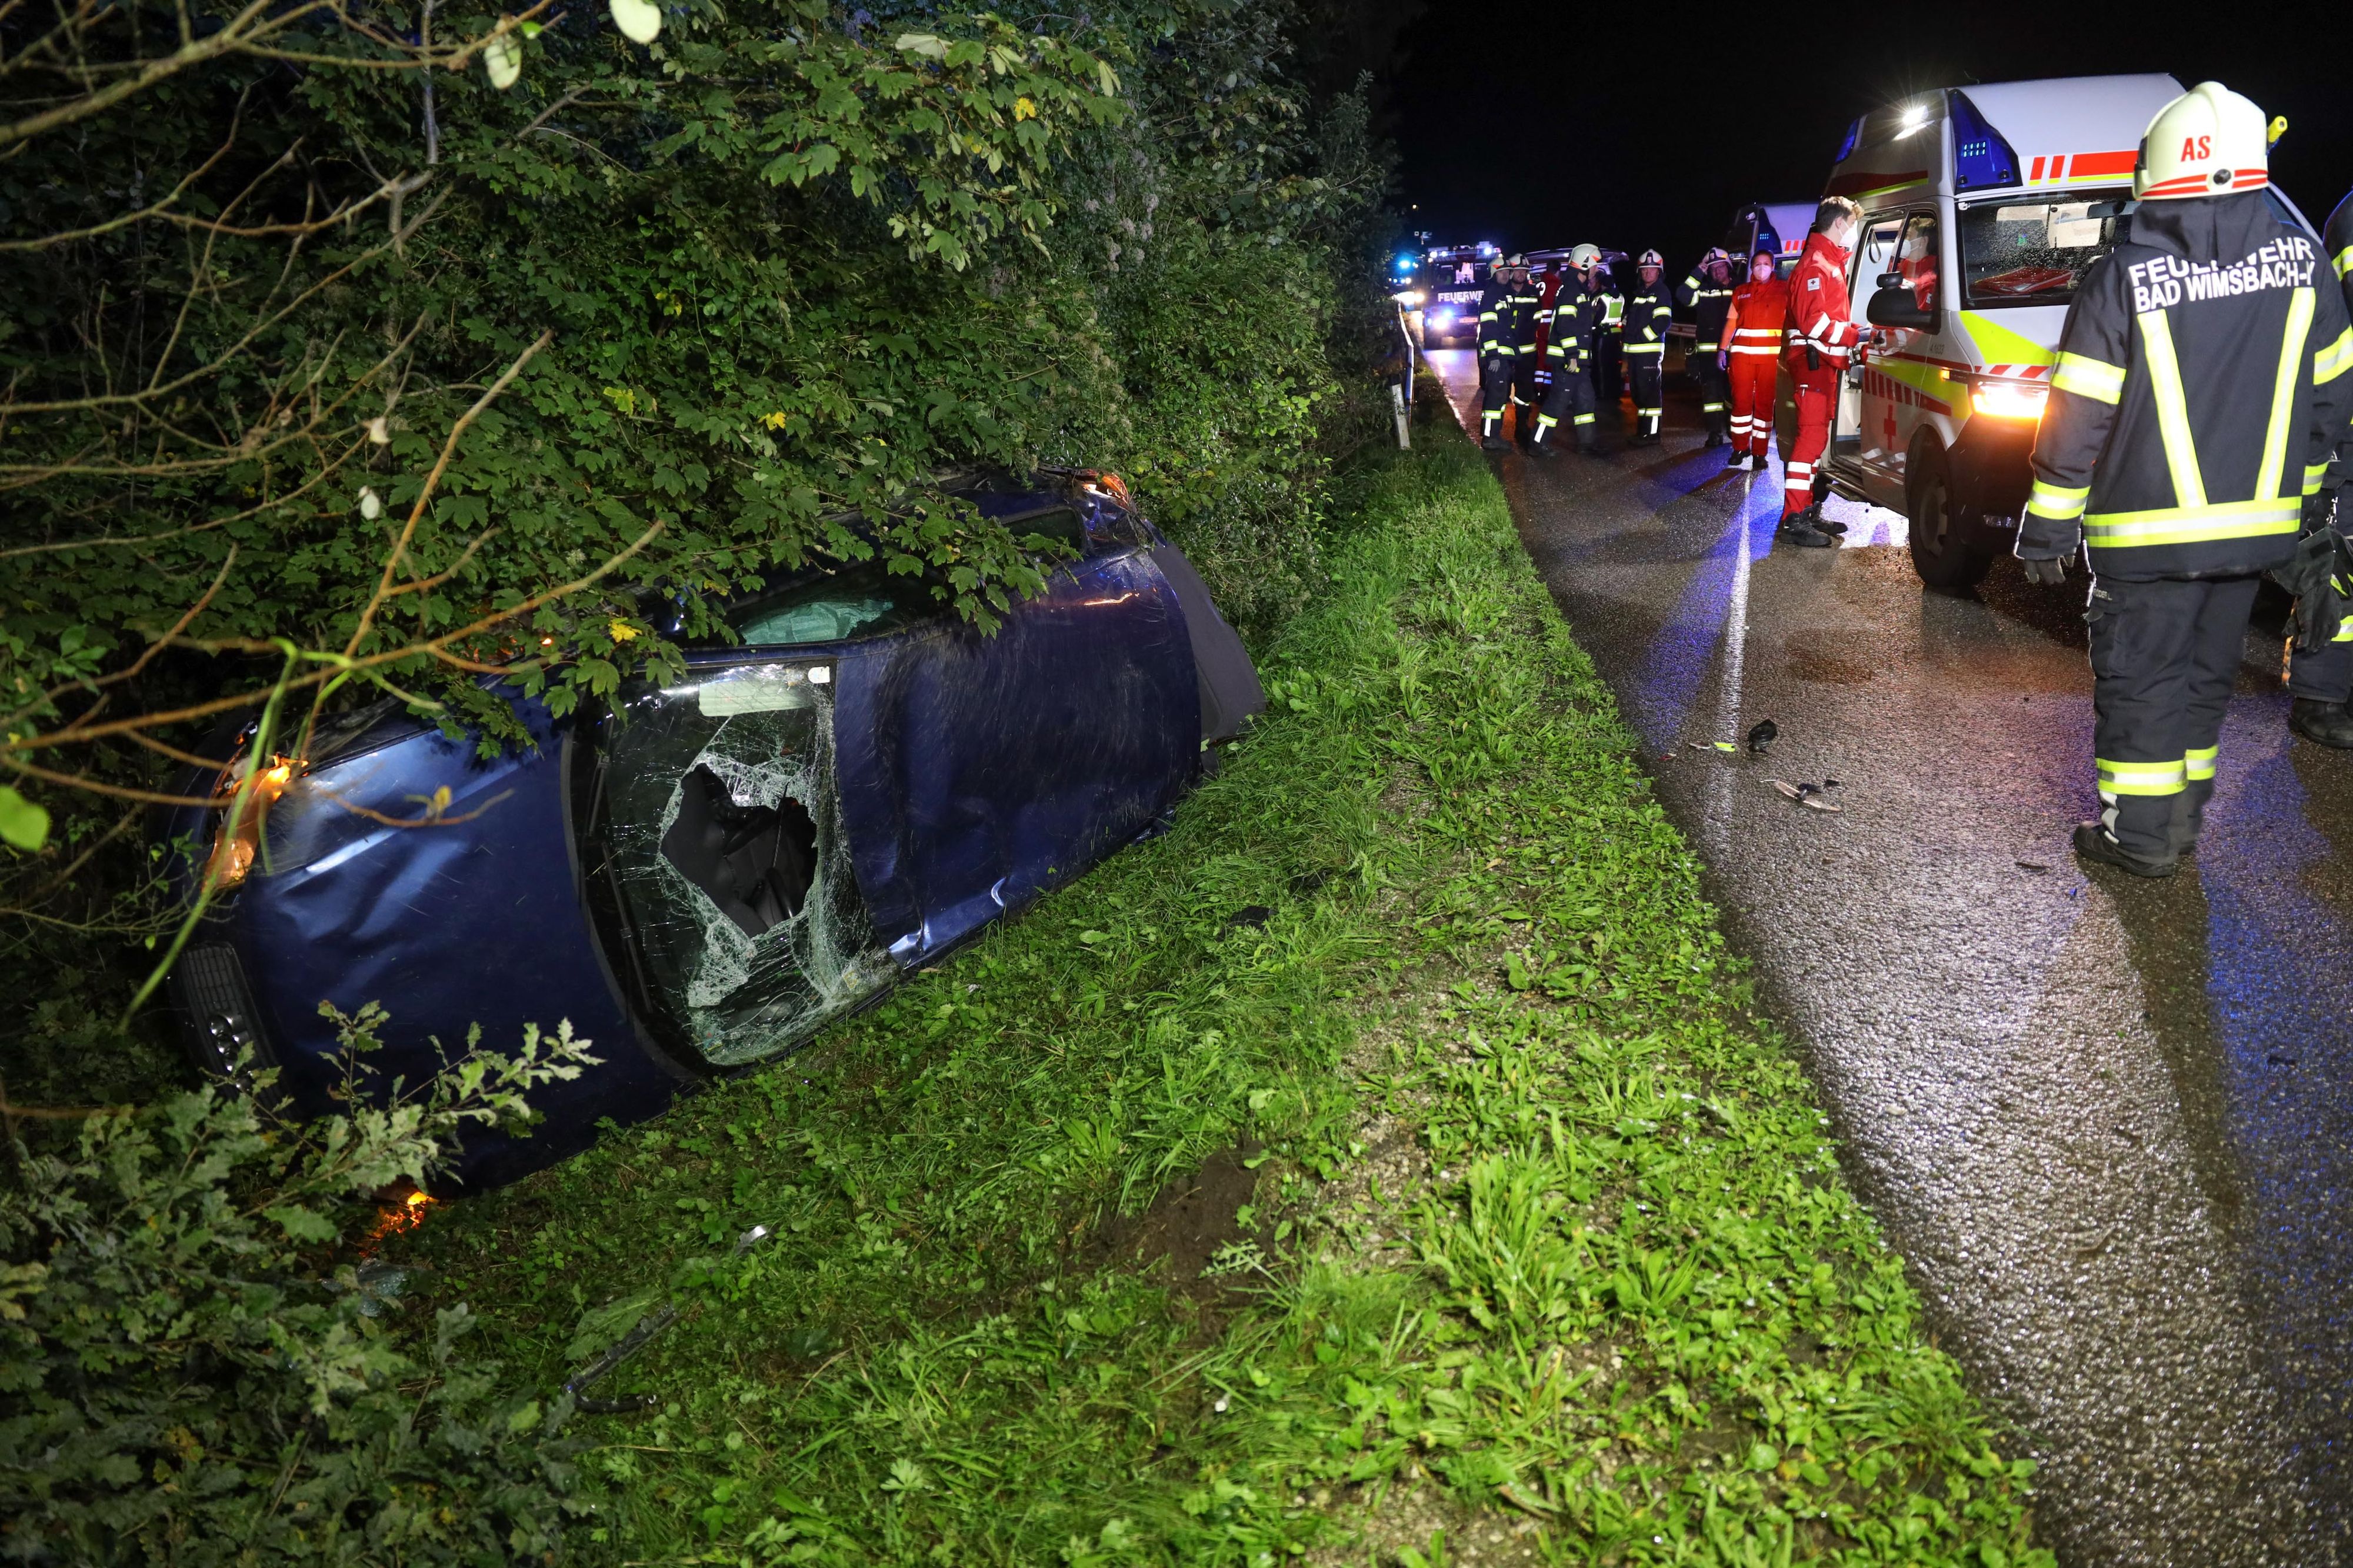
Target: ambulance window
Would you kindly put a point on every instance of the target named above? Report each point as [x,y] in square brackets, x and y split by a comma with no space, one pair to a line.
[2031,252]
[1916,261]
[1876,254]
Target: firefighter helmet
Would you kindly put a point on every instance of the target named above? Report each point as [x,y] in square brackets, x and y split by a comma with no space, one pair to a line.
[2210,142]
[1515,259]
[1585,256]
[1651,258]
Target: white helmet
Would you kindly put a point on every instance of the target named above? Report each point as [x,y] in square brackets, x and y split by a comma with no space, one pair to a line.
[1583,256]
[1651,258]
[2210,142]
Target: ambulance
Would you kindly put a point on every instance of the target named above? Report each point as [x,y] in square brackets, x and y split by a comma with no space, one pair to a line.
[1982,207]
[1778,226]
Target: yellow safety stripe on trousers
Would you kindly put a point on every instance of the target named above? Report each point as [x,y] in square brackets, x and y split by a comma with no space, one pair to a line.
[2057,502]
[1646,348]
[2270,479]
[2193,525]
[2172,410]
[2199,763]
[1718,408]
[2088,377]
[2313,474]
[2335,360]
[1582,419]
[1704,347]
[2141,778]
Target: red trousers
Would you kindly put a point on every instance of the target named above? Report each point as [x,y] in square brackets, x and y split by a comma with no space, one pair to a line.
[1816,402]
[1752,402]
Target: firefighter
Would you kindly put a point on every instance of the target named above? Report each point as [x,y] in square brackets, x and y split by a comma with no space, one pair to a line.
[1609,383]
[1576,316]
[1818,340]
[2202,373]
[1506,342]
[1649,313]
[1706,292]
[2321,682]
[1751,354]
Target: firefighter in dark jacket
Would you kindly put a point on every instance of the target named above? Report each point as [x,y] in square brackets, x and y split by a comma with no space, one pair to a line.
[1706,292]
[1507,363]
[2202,371]
[2321,682]
[1649,313]
[1577,312]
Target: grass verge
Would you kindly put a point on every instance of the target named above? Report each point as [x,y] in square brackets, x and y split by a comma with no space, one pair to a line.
[1382,1167]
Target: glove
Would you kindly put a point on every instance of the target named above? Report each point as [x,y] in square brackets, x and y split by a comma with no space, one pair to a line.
[2319,510]
[2319,612]
[2048,574]
[1724,359]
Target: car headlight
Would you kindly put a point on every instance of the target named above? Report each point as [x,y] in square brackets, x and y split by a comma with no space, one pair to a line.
[2008,399]
[244,806]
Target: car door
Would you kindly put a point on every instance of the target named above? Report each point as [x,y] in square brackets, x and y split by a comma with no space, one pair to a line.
[1854,446]
[978,769]
[1891,396]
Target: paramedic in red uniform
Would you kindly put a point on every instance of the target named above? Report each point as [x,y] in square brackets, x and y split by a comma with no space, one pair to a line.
[1752,353]
[1820,340]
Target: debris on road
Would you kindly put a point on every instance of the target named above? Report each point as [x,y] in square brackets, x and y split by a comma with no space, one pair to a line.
[1763,735]
[1805,795]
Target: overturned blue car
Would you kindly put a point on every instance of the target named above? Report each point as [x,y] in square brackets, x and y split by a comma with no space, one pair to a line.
[702,876]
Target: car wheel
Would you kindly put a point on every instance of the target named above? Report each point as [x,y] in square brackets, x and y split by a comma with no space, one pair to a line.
[1951,545]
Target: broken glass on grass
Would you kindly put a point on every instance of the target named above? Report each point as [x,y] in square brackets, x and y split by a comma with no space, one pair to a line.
[727,845]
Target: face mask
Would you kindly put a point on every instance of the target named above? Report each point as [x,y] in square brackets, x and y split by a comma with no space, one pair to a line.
[1760,271]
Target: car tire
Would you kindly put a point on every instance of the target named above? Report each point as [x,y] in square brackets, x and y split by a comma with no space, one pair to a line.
[1952,548]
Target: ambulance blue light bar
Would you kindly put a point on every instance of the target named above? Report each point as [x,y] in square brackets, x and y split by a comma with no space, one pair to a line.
[1981,159]
[1854,135]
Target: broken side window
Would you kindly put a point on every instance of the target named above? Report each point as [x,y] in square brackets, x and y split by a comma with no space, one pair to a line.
[725,839]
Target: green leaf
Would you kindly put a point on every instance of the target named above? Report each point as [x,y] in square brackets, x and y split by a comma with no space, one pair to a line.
[23,823]
[300,1224]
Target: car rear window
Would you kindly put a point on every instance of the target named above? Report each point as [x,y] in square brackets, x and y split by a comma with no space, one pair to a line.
[2031,251]
[858,601]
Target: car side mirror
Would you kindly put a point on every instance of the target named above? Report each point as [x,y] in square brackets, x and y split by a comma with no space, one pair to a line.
[1895,307]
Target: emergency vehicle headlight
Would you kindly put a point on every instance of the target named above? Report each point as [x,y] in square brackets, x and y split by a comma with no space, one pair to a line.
[1410,298]
[2008,399]
[1442,320]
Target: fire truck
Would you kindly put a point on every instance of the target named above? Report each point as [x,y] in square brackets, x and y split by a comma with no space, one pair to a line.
[1442,297]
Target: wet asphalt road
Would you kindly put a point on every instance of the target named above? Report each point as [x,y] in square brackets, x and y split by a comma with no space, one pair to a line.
[2109,1123]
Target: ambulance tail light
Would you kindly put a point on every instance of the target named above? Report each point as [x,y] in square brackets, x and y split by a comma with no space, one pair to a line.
[2008,399]
[1982,160]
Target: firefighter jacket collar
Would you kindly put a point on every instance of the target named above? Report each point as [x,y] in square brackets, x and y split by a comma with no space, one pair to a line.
[2206,228]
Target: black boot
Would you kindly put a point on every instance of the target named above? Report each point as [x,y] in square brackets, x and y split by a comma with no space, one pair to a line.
[2093,843]
[1715,437]
[1540,447]
[1812,517]
[2323,723]
[1798,529]
[1494,443]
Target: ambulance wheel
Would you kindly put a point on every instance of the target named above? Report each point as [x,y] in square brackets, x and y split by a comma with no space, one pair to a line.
[1951,545]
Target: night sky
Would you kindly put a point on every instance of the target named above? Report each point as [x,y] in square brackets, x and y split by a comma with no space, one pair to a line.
[1536,125]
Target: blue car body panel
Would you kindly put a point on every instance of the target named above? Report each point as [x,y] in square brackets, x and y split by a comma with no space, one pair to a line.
[972,772]
[978,771]
[476,921]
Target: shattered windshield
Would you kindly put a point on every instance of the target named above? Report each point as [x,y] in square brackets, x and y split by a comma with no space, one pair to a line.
[2033,252]
[724,836]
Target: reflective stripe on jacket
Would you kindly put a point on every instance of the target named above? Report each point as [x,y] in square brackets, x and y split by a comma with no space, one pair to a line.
[1821,317]
[1577,317]
[2336,239]
[1648,316]
[1761,310]
[1707,301]
[2204,374]
[1507,319]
